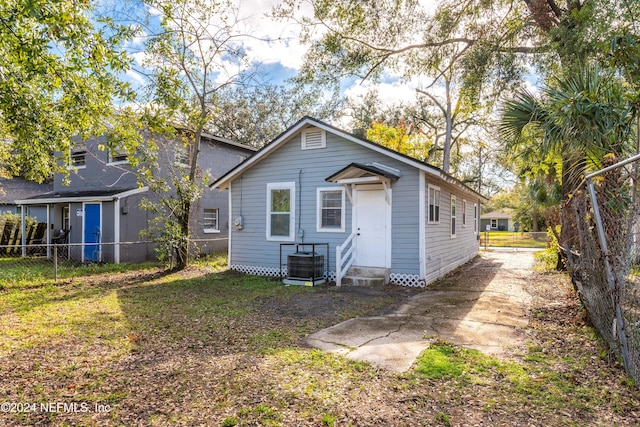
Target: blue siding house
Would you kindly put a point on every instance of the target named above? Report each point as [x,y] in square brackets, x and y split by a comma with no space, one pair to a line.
[368,208]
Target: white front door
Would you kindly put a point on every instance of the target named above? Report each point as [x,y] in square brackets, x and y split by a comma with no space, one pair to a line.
[371,224]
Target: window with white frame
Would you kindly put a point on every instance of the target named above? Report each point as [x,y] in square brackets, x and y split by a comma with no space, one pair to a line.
[117,156]
[280,211]
[453,216]
[464,213]
[210,221]
[475,218]
[494,223]
[313,138]
[434,204]
[331,210]
[78,156]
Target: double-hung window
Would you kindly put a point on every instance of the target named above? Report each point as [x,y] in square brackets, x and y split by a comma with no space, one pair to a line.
[464,213]
[210,222]
[330,209]
[281,211]
[475,218]
[453,216]
[434,204]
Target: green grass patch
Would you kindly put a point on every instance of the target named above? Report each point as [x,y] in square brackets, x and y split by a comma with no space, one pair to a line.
[513,239]
[23,273]
[440,361]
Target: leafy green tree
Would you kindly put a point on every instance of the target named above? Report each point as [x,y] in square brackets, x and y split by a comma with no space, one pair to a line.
[581,118]
[59,78]
[255,115]
[474,50]
[189,59]
[453,47]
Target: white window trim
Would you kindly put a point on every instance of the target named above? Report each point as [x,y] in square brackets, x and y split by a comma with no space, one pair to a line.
[436,188]
[292,211]
[323,138]
[78,150]
[464,213]
[117,162]
[211,230]
[491,222]
[454,215]
[319,227]
[475,218]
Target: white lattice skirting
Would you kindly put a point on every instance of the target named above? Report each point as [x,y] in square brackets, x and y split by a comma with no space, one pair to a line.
[400,279]
[257,270]
[412,280]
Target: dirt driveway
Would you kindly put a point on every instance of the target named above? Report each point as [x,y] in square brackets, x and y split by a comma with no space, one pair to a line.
[483,306]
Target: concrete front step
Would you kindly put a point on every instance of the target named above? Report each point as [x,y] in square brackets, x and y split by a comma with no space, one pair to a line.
[366,276]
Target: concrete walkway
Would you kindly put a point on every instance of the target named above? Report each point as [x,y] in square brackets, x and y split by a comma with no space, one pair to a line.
[483,306]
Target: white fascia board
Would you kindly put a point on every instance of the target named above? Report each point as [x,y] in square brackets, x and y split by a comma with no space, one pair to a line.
[268,149]
[54,200]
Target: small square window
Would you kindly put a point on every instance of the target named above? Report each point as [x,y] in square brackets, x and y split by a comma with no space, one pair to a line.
[78,158]
[116,156]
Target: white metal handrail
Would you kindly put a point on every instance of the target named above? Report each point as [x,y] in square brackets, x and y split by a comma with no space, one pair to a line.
[344,258]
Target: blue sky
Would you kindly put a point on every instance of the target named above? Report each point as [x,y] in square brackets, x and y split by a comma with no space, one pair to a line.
[274,44]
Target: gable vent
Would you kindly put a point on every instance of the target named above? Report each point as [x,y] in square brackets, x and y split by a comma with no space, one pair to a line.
[313,138]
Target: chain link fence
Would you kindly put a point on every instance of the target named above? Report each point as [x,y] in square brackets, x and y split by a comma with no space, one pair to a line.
[603,257]
[56,261]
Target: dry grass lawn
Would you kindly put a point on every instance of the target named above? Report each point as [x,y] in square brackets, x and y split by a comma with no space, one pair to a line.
[206,347]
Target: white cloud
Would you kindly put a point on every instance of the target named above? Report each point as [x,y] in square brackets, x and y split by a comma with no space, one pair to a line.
[272,40]
[389,93]
[135,77]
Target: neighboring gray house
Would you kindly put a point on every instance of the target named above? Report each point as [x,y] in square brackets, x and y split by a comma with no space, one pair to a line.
[500,220]
[100,206]
[406,221]
[12,189]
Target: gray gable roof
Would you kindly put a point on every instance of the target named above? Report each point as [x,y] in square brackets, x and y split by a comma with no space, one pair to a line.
[12,189]
[223,182]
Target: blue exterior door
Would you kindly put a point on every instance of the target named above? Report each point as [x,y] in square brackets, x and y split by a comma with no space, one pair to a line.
[92,232]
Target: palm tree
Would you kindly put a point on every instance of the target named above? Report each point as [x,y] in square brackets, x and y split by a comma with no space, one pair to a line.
[581,117]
